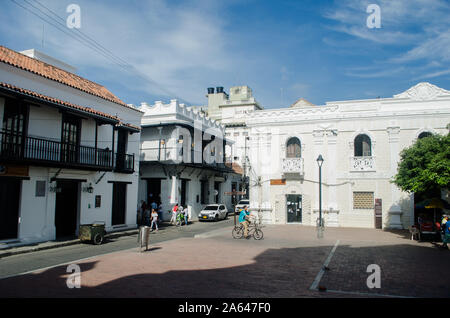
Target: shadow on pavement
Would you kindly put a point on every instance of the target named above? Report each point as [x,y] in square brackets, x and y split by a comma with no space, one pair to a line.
[406,270]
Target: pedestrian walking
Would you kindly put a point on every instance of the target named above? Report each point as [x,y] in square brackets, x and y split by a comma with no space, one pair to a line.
[173,220]
[154,217]
[186,216]
[154,205]
[160,209]
[147,216]
[142,212]
[445,230]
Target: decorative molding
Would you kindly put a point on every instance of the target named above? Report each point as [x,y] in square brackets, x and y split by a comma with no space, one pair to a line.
[426,129]
[292,165]
[394,134]
[362,164]
[424,91]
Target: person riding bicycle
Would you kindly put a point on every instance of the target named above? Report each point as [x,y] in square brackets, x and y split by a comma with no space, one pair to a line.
[180,219]
[244,220]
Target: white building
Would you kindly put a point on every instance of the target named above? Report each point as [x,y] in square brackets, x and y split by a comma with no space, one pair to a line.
[180,162]
[360,141]
[68,151]
[231,110]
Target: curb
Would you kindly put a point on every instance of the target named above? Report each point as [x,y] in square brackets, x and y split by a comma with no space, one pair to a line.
[34,247]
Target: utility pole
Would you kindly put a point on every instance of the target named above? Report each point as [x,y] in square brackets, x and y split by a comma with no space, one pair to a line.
[244,182]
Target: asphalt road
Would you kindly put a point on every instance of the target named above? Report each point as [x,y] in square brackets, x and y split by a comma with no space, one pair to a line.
[23,263]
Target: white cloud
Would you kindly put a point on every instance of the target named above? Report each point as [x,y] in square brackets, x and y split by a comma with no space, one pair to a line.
[417,30]
[172,45]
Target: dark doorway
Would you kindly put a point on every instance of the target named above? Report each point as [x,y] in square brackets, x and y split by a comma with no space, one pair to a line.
[9,210]
[217,192]
[122,140]
[153,191]
[66,208]
[204,191]
[183,192]
[294,208]
[70,139]
[119,203]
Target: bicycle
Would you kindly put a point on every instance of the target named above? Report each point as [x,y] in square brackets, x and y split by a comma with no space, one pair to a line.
[179,220]
[253,230]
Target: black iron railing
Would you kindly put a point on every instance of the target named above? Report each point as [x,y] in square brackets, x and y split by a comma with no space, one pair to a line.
[33,150]
[177,155]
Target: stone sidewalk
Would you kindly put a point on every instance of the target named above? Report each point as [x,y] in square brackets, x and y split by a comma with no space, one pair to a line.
[284,264]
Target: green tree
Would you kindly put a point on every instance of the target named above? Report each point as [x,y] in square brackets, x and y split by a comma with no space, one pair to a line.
[425,166]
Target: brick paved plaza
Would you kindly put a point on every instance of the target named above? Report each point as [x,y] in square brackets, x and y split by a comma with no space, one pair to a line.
[285,263]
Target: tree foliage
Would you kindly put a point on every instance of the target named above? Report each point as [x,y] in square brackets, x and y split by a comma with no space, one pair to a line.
[425,166]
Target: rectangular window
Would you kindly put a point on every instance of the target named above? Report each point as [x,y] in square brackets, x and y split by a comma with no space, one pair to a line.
[363,200]
[98,201]
[40,188]
[14,128]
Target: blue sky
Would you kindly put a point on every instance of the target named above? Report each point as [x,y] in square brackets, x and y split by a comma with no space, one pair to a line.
[319,50]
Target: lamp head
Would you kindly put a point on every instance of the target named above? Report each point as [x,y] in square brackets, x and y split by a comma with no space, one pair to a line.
[320,160]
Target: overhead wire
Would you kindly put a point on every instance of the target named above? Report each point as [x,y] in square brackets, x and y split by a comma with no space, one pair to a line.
[91,43]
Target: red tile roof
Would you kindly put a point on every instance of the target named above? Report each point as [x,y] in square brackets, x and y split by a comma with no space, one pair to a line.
[57,101]
[54,73]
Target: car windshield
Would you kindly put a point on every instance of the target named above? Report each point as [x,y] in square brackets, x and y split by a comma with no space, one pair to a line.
[243,202]
[210,208]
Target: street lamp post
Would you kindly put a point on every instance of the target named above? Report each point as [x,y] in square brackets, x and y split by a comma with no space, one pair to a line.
[320,163]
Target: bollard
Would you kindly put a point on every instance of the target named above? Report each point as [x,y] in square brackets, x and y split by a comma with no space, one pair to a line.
[143,237]
[320,228]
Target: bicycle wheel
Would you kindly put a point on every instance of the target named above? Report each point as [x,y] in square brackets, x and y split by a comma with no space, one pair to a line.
[258,234]
[237,232]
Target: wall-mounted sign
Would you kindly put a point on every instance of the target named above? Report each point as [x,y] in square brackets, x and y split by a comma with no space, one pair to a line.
[9,170]
[277,181]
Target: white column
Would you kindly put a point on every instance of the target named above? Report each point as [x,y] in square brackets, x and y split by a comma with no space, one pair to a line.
[332,205]
[174,190]
[395,210]
[318,139]
[266,158]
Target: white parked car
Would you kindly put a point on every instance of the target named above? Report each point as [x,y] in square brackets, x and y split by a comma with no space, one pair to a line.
[241,205]
[213,212]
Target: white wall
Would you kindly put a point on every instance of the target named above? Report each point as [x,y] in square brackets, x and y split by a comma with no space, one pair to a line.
[37,214]
[392,125]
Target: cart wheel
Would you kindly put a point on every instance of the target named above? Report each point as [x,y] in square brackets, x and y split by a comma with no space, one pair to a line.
[98,239]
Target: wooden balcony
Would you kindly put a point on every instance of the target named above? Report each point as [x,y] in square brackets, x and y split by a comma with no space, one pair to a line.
[38,151]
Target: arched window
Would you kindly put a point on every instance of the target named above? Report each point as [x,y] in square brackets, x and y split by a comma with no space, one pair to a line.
[363,146]
[424,135]
[293,148]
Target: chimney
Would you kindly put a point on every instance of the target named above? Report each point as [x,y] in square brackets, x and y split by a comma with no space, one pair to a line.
[210,90]
[219,89]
